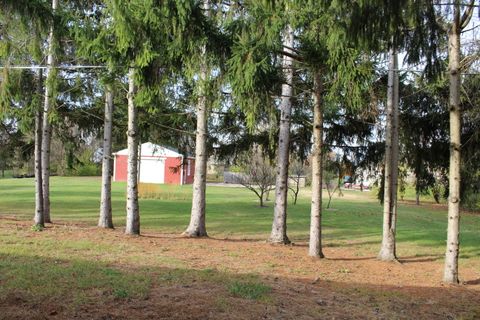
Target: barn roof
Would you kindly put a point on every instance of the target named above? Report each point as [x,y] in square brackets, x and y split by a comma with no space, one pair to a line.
[153,150]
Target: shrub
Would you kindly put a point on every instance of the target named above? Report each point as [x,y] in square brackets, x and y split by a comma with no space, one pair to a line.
[471,201]
[90,169]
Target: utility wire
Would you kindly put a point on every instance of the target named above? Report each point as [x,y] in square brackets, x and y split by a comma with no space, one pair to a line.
[56,67]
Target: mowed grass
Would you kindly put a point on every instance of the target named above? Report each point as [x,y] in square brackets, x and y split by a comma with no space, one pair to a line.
[234,212]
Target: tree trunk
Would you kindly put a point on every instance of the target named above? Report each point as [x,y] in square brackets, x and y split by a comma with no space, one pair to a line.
[451,257]
[47,109]
[315,244]
[388,249]
[279,226]
[39,218]
[197,227]
[105,219]
[133,212]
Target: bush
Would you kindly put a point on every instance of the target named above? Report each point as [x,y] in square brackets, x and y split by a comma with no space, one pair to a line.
[471,201]
[90,169]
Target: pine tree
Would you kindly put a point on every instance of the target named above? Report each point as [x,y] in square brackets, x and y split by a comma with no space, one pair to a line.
[39,218]
[395,25]
[388,247]
[105,219]
[315,243]
[151,39]
[460,21]
[279,226]
[341,77]
[48,108]
[23,25]
[133,212]
[197,227]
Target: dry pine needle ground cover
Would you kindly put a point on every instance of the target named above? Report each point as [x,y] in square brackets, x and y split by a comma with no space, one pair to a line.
[75,271]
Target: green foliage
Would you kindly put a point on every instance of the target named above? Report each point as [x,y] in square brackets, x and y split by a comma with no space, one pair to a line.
[80,162]
[249,290]
[404,24]
[402,183]
[470,166]
[438,191]
[89,169]
[36,228]
[120,293]
[471,200]
[253,67]
[236,168]
[423,111]
[5,92]
[38,11]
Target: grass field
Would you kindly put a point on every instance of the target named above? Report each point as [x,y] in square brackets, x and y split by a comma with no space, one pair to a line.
[73,269]
[234,212]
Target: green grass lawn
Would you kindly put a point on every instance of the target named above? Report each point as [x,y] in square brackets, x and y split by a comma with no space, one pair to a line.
[234,212]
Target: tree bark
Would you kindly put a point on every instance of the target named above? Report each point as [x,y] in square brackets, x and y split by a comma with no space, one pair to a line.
[197,227]
[133,211]
[452,251]
[105,219]
[47,109]
[315,244]
[388,248]
[39,218]
[279,226]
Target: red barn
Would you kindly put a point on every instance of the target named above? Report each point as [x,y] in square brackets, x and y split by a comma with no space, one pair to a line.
[157,164]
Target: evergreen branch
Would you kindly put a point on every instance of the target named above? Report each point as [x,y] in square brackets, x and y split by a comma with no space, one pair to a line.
[468,61]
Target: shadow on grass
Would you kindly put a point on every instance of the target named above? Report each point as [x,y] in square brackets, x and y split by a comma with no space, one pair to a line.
[180,235]
[352,259]
[38,287]
[419,258]
[473,282]
[331,244]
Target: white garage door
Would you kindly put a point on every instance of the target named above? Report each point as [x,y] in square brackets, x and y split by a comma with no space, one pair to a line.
[152,170]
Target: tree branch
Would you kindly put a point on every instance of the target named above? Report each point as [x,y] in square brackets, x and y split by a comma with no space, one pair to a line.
[467,15]
[292,55]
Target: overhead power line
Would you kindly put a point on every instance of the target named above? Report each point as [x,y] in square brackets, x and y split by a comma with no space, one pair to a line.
[56,67]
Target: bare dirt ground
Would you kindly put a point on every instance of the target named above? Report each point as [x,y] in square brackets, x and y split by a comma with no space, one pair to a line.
[345,285]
